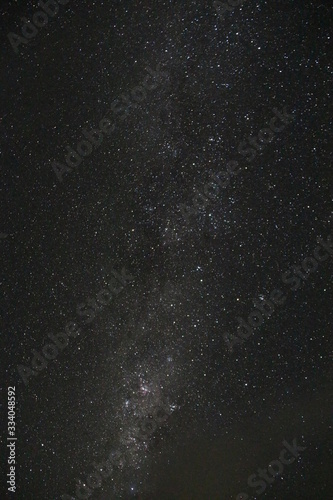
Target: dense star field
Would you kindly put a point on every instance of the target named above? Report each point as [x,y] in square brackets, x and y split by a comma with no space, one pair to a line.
[166,241]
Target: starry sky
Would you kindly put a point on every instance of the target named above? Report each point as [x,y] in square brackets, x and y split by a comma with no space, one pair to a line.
[149,378]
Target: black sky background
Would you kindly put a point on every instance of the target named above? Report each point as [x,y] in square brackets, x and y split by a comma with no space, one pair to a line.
[120,207]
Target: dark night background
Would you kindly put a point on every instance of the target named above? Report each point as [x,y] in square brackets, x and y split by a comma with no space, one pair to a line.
[161,338]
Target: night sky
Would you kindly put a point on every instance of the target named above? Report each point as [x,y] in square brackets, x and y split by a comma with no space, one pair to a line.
[166,176]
